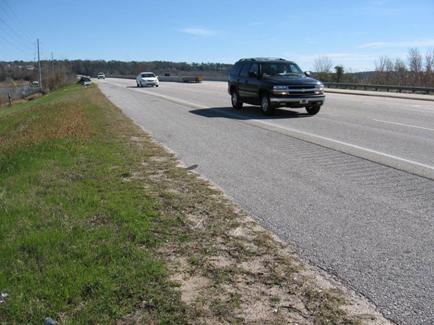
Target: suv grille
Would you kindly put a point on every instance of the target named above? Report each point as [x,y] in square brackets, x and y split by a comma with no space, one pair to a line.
[302,90]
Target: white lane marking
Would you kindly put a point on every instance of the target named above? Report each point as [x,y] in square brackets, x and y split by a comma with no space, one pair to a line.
[352,146]
[427,108]
[312,135]
[403,124]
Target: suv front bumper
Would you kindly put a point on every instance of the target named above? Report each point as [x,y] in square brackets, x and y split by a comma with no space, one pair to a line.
[297,101]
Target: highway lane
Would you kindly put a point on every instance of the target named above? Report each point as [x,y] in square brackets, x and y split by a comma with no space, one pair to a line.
[369,224]
[399,129]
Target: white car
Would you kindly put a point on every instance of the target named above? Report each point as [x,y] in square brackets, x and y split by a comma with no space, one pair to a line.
[147,79]
[101,75]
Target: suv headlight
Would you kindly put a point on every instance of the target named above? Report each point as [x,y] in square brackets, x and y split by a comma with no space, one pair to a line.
[280,88]
[319,87]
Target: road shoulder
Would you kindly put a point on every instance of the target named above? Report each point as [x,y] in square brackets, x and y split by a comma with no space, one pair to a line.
[227,267]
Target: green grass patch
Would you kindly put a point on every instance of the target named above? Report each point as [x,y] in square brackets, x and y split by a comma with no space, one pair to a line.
[78,233]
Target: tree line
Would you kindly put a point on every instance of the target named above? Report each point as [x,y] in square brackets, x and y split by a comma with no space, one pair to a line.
[26,70]
[92,68]
[54,73]
[415,71]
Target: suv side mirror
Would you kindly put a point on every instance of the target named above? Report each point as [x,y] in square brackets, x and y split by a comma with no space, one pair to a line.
[308,73]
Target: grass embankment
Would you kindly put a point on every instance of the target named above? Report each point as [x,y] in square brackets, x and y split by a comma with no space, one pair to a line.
[100,225]
[77,238]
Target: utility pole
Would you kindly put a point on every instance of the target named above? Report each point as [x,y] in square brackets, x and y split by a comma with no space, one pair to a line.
[39,66]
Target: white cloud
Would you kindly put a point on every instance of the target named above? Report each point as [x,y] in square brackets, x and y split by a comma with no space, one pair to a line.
[381,8]
[197,31]
[402,44]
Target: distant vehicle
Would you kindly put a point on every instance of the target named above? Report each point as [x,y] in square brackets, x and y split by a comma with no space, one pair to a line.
[85,81]
[147,79]
[271,82]
[101,75]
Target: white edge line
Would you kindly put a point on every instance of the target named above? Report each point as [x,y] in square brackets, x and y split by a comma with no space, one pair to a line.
[403,124]
[354,146]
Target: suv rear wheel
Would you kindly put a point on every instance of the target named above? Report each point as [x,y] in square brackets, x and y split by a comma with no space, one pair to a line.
[235,99]
[313,109]
[266,107]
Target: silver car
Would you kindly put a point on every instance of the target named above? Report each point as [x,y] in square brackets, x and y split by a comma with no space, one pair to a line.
[147,79]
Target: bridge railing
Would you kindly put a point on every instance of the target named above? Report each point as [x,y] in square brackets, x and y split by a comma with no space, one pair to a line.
[337,85]
[388,88]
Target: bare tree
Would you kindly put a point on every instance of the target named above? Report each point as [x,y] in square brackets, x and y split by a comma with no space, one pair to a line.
[429,67]
[339,73]
[323,64]
[415,64]
[400,72]
[390,71]
[380,70]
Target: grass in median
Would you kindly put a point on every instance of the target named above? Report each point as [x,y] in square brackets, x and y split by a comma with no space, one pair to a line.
[77,234]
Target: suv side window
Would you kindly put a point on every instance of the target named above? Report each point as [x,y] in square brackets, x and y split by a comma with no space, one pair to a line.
[245,70]
[254,68]
[236,69]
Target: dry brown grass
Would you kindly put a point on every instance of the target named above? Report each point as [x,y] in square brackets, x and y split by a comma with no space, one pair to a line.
[68,121]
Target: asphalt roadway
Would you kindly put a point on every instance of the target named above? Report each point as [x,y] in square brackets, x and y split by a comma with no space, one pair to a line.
[351,189]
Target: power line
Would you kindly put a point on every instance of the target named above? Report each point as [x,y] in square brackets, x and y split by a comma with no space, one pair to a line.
[16,46]
[11,35]
[7,9]
[15,34]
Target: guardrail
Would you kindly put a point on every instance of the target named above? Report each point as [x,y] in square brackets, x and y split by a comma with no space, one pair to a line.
[388,88]
[338,85]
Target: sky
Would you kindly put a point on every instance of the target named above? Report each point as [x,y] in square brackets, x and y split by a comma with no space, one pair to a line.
[351,33]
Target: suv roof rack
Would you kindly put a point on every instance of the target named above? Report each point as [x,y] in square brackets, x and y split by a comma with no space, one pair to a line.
[262,59]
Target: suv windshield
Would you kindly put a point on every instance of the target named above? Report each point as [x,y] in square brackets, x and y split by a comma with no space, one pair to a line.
[280,69]
[148,75]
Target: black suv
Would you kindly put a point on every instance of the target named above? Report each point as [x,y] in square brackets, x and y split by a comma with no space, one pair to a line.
[274,82]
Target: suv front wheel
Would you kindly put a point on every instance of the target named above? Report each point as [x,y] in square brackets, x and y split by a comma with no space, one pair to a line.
[266,107]
[313,109]
[235,99]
